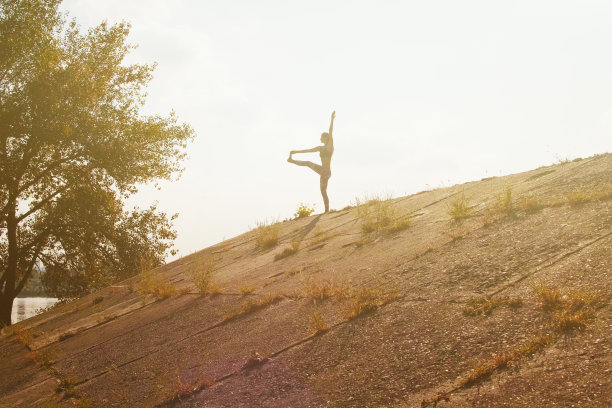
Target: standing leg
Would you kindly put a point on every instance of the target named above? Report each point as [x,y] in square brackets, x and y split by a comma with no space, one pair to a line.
[324,181]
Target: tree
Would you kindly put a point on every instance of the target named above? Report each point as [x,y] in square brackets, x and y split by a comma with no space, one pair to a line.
[73,147]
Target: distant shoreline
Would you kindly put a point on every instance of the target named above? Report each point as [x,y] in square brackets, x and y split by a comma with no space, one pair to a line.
[22,296]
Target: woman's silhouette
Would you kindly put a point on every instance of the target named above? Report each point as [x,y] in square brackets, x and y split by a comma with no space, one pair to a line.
[325,152]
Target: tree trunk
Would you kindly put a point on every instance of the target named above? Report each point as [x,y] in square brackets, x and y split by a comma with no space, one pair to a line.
[6,308]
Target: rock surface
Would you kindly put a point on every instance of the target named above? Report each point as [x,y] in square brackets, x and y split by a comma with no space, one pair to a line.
[394,328]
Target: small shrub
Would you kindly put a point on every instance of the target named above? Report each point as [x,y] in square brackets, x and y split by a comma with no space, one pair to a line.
[155,284]
[201,275]
[317,322]
[247,290]
[266,235]
[459,208]
[303,211]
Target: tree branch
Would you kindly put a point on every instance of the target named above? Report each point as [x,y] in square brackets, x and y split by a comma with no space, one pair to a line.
[28,273]
[40,204]
[46,171]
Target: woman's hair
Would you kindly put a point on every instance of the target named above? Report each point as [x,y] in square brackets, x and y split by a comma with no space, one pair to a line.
[325,137]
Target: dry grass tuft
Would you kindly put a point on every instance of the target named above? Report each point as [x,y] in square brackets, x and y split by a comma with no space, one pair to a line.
[251,306]
[530,204]
[294,271]
[379,215]
[66,386]
[185,387]
[534,345]
[295,247]
[202,275]
[570,312]
[155,284]
[23,336]
[578,198]
[566,321]
[45,357]
[247,290]
[319,235]
[317,322]
[550,298]
[599,193]
[363,301]
[433,401]
[504,203]
[266,235]
[460,208]
[484,306]
[321,289]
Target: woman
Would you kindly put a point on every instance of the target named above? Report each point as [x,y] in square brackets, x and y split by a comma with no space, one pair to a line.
[325,152]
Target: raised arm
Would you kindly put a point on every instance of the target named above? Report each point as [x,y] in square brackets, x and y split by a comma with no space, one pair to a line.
[331,128]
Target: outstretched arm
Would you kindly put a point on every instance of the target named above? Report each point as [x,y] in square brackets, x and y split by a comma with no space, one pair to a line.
[331,128]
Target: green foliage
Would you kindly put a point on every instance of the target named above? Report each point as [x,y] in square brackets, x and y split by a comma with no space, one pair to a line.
[73,146]
[303,211]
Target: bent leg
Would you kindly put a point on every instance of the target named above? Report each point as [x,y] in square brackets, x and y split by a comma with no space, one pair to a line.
[315,167]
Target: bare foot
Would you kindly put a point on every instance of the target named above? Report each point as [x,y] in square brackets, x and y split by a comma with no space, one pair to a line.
[290,159]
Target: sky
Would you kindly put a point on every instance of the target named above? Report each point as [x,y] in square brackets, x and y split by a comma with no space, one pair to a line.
[427,94]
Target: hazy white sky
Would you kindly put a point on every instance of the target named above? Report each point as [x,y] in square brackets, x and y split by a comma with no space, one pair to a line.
[426,93]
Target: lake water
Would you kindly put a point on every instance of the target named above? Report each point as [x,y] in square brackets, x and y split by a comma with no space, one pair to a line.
[24,308]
